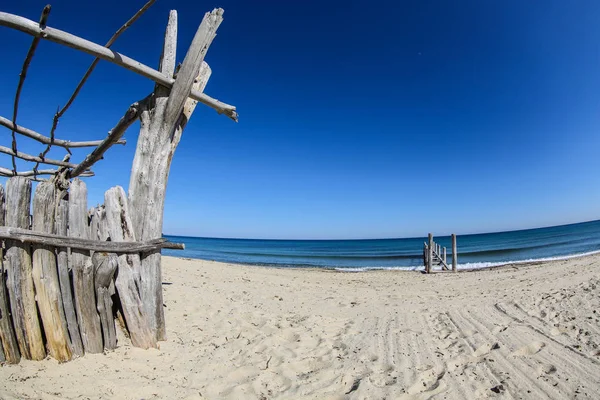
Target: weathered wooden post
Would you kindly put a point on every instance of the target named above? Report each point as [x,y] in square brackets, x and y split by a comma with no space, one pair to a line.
[454,253]
[430,256]
[444,254]
[9,348]
[162,123]
[17,264]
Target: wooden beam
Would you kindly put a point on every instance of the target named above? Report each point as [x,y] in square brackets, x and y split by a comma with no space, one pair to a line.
[27,236]
[29,157]
[430,257]
[46,140]
[9,173]
[54,35]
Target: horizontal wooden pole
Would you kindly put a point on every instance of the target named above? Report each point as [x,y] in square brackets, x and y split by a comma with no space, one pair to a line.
[54,35]
[9,172]
[46,140]
[25,235]
[29,157]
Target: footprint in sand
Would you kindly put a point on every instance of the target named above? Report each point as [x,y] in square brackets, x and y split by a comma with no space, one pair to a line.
[531,349]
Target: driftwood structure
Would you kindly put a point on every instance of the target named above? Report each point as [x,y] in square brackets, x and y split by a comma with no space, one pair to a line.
[68,271]
[434,254]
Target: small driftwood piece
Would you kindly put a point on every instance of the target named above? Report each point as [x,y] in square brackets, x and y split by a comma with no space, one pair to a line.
[29,157]
[46,140]
[160,131]
[54,35]
[62,259]
[83,271]
[17,264]
[9,348]
[25,235]
[45,276]
[8,173]
[120,229]
[105,266]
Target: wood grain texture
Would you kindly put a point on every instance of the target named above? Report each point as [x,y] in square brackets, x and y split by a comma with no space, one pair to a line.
[83,271]
[17,264]
[105,266]
[45,275]
[62,260]
[9,348]
[120,229]
[149,176]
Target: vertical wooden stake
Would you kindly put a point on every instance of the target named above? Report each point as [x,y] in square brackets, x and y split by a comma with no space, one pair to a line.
[83,271]
[454,253]
[9,348]
[444,254]
[105,265]
[45,275]
[430,257]
[17,263]
[62,259]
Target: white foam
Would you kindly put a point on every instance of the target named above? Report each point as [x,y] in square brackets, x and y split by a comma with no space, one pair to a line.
[475,265]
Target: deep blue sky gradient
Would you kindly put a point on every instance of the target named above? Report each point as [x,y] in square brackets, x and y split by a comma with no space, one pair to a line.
[356,120]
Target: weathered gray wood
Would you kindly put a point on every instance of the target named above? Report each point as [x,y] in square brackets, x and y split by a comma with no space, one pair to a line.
[430,256]
[9,348]
[83,271]
[46,140]
[120,229]
[160,132]
[105,266]
[9,173]
[62,259]
[113,136]
[25,235]
[454,253]
[147,187]
[45,276]
[444,254]
[17,264]
[67,39]
[29,157]
[168,59]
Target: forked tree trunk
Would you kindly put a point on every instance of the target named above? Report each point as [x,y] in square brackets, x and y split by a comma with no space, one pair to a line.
[161,126]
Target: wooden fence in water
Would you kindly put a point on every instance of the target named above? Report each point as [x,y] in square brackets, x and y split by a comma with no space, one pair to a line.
[435,255]
[68,272]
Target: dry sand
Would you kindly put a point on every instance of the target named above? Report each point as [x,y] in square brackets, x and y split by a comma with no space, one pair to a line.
[238,332]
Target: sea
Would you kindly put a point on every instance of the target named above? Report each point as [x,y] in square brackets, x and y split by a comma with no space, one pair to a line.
[474,251]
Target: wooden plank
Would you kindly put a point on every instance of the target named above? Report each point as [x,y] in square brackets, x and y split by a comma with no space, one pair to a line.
[120,229]
[9,348]
[160,133]
[105,266]
[430,257]
[45,276]
[62,259]
[25,235]
[46,140]
[17,264]
[454,253]
[54,35]
[83,271]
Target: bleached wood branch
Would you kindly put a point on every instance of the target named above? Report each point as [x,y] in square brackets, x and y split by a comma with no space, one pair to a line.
[41,25]
[89,71]
[8,173]
[54,35]
[46,140]
[113,136]
[29,157]
[48,239]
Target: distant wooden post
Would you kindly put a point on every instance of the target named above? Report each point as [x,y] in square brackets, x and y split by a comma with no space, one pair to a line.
[454,251]
[444,254]
[430,256]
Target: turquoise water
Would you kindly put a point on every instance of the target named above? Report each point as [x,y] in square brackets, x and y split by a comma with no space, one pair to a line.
[474,251]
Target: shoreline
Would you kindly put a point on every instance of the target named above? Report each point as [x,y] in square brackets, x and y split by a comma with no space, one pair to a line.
[495,266]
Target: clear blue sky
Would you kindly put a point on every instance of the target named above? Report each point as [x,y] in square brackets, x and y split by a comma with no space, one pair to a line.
[356,120]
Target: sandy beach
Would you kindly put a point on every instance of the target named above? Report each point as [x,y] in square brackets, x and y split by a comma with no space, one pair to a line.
[242,332]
